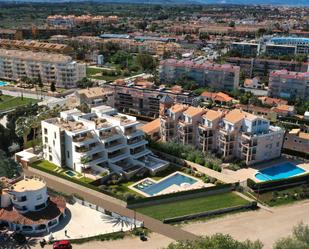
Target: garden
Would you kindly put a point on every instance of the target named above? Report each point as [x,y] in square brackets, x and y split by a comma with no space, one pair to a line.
[9,102]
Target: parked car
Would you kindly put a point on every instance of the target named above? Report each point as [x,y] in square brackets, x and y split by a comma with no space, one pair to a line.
[62,244]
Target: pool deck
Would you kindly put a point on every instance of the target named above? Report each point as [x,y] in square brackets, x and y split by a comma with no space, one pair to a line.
[173,188]
[250,172]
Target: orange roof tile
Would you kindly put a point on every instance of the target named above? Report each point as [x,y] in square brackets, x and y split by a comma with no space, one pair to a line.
[151,127]
[193,111]
[212,115]
[178,108]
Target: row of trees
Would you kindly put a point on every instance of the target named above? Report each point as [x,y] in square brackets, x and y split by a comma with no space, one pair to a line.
[298,240]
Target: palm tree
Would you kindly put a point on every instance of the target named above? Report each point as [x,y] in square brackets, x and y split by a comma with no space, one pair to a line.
[116,221]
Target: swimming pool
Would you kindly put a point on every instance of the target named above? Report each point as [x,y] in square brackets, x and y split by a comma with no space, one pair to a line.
[70,173]
[2,83]
[281,171]
[151,187]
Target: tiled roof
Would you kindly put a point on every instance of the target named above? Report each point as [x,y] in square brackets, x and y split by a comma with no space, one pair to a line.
[193,111]
[152,126]
[212,115]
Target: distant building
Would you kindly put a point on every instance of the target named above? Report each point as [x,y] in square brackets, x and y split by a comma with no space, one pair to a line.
[216,76]
[297,140]
[11,34]
[272,101]
[50,68]
[253,83]
[95,96]
[219,98]
[287,84]
[280,50]
[301,44]
[284,110]
[245,49]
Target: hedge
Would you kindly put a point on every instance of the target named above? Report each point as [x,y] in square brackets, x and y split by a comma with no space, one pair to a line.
[276,184]
[182,193]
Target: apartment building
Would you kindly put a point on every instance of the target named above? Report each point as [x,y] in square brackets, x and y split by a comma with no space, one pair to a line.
[245,49]
[205,74]
[234,134]
[36,46]
[280,50]
[300,43]
[288,84]
[297,140]
[109,141]
[143,98]
[11,34]
[95,96]
[71,20]
[252,67]
[51,68]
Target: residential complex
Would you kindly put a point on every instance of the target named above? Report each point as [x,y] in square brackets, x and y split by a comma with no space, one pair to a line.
[287,84]
[245,49]
[297,140]
[106,139]
[301,44]
[95,96]
[26,207]
[205,74]
[234,134]
[143,97]
[50,68]
[71,20]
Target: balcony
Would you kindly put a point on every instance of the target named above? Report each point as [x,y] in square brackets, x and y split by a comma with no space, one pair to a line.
[78,139]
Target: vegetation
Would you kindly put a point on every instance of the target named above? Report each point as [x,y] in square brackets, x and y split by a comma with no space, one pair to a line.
[84,83]
[192,206]
[298,240]
[188,153]
[217,241]
[9,102]
[284,196]
[8,167]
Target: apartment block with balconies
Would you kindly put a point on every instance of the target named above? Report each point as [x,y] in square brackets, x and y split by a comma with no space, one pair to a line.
[234,134]
[98,141]
[50,68]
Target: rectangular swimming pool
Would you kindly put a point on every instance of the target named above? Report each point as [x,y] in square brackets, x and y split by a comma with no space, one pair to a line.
[280,171]
[152,188]
[3,83]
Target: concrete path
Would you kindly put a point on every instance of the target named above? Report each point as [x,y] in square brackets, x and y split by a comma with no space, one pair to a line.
[111,204]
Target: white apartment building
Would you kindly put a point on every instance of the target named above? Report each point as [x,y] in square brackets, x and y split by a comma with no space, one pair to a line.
[51,68]
[235,134]
[109,140]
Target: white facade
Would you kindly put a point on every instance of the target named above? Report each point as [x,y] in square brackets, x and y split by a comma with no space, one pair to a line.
[51,68]
[98,141]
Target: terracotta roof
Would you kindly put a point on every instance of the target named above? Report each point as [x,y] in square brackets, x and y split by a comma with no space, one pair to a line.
[178,108]
[55,207]
[304,135]
[193,111]
[220,96]
[273,101]
[237,115]
[94,92]
[283,108]
[212,115]
[151,127]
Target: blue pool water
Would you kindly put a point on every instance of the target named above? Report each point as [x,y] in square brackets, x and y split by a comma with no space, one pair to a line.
[281,171]
[70,173]
[155,188]
[3,83]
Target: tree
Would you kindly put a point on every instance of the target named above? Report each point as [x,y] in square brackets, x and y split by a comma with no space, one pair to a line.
[298,240]
[6,138]
[116,221]
[23,128]
[53,87]
[8,167]
[146,62]
[217,241]
[84,83]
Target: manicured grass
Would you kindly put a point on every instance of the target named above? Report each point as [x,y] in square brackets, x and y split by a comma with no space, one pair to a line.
[8,102]
[52,167]
[192,206]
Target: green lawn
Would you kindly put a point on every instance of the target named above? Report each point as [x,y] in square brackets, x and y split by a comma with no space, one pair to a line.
[192,206]
[47,166]
[8,102]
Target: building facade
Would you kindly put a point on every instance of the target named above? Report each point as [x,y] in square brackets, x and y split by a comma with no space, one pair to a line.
[287,84]
[107,140]
[297,140]
[205,74]
[27,208]
[234,134]
[50,68]
[301,44]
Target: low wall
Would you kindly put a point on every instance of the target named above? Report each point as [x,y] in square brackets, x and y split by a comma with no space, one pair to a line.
[252,205]
[190,194]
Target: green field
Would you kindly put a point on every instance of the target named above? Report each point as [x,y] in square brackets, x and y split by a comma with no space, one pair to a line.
[9,102]
[192,206]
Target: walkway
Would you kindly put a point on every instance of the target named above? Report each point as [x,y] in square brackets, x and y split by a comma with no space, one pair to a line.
[111,204]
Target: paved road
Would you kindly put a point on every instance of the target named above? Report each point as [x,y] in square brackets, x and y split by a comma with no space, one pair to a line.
[26,95]
[111,204]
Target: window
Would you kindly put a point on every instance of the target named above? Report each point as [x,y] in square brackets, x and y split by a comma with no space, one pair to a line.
[68,154]
[55,135]
[50,158]
[54,142]
[45,131]
[39,197]
[38,207]
[46,140]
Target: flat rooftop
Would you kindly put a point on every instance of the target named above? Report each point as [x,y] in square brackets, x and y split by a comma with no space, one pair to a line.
[28,184]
